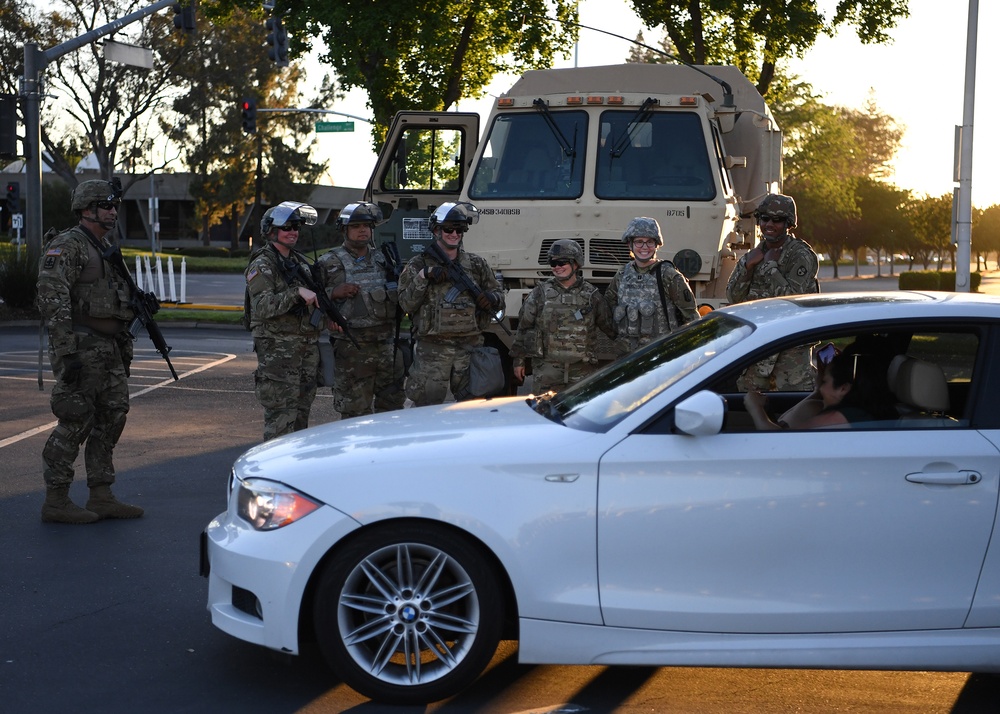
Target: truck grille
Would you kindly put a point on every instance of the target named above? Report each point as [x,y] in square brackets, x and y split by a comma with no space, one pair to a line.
[603,251]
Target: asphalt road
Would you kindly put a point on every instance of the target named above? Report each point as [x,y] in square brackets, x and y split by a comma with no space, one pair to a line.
[111,617]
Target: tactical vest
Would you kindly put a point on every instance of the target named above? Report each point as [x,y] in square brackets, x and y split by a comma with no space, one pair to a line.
[300,320]
[566,327]
[437,317]
[375,303]
[639,313]
[100,296]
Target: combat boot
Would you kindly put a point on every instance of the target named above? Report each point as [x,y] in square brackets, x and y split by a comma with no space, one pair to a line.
[105,505]
[59,509]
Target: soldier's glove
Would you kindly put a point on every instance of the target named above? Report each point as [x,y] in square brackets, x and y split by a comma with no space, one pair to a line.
[486,302]
[436,274]
[74,369]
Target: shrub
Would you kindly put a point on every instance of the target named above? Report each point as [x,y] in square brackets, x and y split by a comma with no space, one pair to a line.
[935,280]
[18,277]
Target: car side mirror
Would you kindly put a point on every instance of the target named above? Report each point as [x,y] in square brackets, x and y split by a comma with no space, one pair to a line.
[701,414]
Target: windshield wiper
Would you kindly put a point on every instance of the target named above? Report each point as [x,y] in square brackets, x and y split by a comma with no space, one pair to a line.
[641,117]
[568,149]
[543,405]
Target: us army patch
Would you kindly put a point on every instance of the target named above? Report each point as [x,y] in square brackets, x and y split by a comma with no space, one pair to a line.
[51,257]
[252,274]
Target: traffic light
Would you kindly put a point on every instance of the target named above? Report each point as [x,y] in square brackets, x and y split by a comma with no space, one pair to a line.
[248,110]
[13,197]
[184,16]
[277,41]
[8,126]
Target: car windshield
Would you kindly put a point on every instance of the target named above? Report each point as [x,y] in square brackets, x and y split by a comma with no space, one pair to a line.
[606,397]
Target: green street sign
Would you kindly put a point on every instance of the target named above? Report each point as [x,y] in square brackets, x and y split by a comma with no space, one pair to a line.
[330,126]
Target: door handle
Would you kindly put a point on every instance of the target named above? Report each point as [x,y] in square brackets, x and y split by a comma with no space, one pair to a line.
[945,478]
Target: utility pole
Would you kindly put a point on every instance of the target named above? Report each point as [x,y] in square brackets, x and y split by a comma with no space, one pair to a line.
[963,159]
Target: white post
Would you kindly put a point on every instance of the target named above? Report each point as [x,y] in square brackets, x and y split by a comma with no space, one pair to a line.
[159,277]
[149,274]
[138,272]
[183,279]
[170,277]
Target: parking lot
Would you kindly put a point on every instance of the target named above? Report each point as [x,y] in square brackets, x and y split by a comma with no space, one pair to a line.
[111,617]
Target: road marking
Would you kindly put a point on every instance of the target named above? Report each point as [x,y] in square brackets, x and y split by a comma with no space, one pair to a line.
[165,383]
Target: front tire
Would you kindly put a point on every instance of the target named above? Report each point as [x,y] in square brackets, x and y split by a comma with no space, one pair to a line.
[408,613]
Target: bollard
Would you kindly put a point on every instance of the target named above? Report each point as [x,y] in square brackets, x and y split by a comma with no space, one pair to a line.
[159,277]
[183,279]
[149,274]
[138,272]
[170,277]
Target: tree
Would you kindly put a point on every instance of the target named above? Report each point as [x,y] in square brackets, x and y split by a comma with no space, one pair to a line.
[641,54]
[986,234]
[930,218]
[428,54]
[755,35]
[884,223]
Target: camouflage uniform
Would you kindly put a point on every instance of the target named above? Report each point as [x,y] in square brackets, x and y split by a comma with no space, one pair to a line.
[445,331]
[634,299]
[557,330]
[371,374]
[794,273]
[84,303]
[286,340]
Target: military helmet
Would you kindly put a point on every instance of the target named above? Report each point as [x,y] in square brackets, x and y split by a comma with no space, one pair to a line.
[461,212]
[566,249]
[287,212]
[93,191]
[778,205]
[361,212]
[643,227]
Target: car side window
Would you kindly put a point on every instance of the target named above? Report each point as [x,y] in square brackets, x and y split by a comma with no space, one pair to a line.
[901,380]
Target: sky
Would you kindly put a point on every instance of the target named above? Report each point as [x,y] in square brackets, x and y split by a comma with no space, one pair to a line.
[918,79]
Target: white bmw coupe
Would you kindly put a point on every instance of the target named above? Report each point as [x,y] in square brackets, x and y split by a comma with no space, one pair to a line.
[648,516]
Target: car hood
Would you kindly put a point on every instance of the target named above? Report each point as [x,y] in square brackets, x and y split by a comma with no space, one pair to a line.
[463,432]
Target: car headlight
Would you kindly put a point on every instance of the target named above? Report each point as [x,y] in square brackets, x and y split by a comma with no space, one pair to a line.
[268,505]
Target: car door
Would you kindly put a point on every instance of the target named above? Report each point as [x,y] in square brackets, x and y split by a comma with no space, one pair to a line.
[784,532]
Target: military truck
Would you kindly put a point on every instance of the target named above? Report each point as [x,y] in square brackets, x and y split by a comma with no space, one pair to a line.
[577,153]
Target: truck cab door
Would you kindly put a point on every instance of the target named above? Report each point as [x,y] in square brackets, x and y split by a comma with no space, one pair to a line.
[424,162]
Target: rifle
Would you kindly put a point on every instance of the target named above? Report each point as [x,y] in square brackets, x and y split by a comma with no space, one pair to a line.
[143,304]
[393,269]
[305,273]
[461,282]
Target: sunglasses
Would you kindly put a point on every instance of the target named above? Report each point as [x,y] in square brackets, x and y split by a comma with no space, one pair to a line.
[107,205]
[290,227]
[768,218]
[558,263]
[457,229]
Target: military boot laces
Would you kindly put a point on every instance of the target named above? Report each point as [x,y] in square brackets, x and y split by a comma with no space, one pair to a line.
[105,505]
[58,508]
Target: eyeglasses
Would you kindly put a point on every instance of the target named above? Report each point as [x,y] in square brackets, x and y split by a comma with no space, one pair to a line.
[767,218]
[107,205]
[454,229]
[289,227]
[558,263]
[644,243]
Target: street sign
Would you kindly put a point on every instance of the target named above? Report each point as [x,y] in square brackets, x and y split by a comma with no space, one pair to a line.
[331,126]
[17,220]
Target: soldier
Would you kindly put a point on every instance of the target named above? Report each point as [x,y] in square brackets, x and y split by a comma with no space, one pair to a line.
[285,322]
[447,321]
[84,304]
[648,297]
[557,327]
[365,292]
[780,264]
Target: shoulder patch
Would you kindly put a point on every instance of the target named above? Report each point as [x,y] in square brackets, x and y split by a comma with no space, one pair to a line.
[252,274]
[54,251]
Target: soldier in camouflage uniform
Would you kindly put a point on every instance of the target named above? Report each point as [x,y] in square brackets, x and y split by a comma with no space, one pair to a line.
[558,323]
[285,322]
[780,264]
[648,297]
[84,303]
[358,280]
[447,321]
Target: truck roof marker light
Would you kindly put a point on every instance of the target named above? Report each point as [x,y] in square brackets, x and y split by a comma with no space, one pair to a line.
[689,101]
[595,100]
[574,101]
[616,99]
[505,101]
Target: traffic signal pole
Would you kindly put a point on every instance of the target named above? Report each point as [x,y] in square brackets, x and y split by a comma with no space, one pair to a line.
[35,62]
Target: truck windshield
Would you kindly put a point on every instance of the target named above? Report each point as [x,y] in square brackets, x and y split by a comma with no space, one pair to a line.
[523,158]
[663,157]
